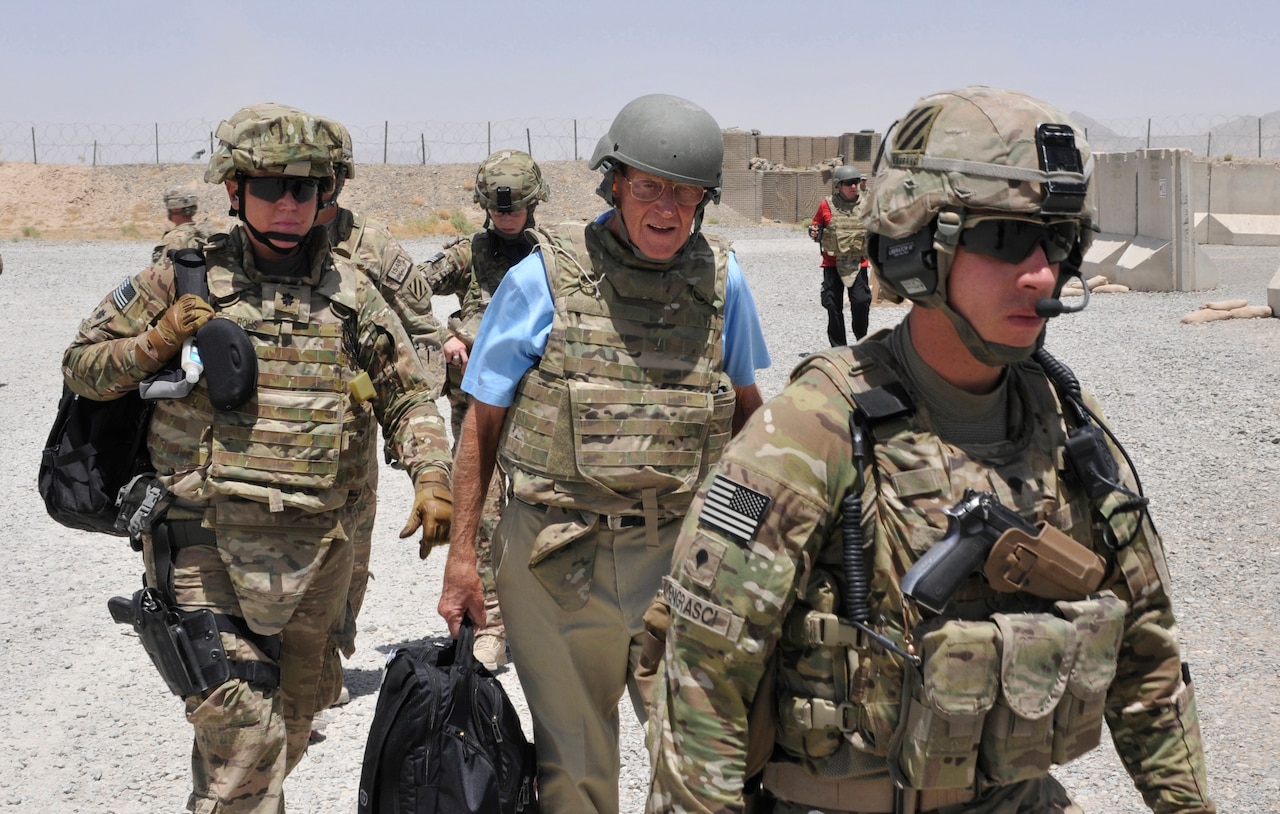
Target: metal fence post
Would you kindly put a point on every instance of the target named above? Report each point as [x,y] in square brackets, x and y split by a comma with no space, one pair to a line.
[424,148]
[386,130]
[33,145]
[95,152]
[528,142]
[157,142]
[1148,134]
[575,139]
[1208,147]
[1259,137]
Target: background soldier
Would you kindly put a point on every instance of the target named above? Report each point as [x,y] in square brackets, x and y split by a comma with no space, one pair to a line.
[788,598]
[609,370]
[839,231]
[509,186]
[257,532]
[181,206]
[379,256]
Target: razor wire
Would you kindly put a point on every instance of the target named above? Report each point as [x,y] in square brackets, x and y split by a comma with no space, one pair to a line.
[550,139]
[386,143]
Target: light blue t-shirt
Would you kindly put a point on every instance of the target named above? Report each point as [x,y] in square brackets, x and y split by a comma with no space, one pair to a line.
[513,333]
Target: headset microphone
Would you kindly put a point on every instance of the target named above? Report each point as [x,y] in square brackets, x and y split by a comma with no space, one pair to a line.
[1050,307]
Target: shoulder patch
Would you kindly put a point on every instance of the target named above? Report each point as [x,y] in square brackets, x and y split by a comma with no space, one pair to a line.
[733,509]
[124,294]
[418,288]
[700,611]
[913,132]
[399,270]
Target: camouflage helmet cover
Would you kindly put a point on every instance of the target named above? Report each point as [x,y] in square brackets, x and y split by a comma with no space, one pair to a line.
[175,198]
[515,171]
[665,135]
[974,149]
[273,138]
[341,148]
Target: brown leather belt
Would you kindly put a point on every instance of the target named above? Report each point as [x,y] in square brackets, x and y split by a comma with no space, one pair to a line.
[790,782]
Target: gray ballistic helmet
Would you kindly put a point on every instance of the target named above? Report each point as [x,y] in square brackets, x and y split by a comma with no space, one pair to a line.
[665,135]
[844,173]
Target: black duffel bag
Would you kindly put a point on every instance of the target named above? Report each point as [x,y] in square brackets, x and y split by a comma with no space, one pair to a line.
[445,738]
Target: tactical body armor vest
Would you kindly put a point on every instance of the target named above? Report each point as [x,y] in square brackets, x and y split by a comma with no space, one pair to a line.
[301,442]
[845,236]
[629,407]
[490,263]
[1010,683]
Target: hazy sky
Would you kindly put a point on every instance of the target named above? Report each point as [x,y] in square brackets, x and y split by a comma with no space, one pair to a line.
[783,68]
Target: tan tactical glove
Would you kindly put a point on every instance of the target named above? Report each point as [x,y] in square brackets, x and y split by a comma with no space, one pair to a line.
[181,320]
[432,510]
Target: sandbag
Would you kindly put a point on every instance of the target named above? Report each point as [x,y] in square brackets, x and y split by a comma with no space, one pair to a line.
[1250,312]
[1205,315]
[1110,288]
[1226,305]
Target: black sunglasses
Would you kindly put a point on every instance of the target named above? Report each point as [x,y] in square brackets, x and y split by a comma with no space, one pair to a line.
[1012,241]
[273,188]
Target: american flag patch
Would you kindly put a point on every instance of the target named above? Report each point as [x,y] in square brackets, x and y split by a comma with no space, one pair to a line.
[123,294]
[733,509]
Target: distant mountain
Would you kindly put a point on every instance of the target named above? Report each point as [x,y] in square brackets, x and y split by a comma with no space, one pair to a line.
[1214,136]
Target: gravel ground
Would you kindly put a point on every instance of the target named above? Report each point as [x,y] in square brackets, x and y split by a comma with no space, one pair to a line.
[87,726]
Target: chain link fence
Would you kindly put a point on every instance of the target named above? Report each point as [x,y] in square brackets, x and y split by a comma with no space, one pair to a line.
[385,143]
[1204,135]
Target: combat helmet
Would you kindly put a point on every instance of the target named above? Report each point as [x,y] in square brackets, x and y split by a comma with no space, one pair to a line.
[509,181]
[963,155]
[667,136]
[342,155]
[273,138]
[181,200]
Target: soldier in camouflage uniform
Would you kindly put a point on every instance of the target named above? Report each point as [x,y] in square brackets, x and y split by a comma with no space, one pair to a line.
[793,660]
[838,229]
[371,248]
[264,491]
[509,186]
[181,206]
[608,372]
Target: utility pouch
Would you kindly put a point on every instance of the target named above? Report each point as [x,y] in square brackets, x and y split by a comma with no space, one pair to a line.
[183,645]
[142,502]
[1037,653]
[1099,623]
[1050,565]
[948,698]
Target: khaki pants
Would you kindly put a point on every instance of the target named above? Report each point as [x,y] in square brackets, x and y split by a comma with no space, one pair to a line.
[574,665]
[248,739]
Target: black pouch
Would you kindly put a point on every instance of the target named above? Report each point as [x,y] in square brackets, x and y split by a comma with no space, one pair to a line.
[230,364]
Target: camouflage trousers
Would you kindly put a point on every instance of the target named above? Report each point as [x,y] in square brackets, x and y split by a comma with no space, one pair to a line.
[248,739]
[576,630]
[495,501]
[1042,795]
[363,515]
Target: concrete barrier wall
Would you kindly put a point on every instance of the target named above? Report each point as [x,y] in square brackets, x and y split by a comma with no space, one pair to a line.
[1238,204]
[1148,226]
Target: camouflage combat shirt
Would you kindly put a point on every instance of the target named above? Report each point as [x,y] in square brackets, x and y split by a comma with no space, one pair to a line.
[762,546]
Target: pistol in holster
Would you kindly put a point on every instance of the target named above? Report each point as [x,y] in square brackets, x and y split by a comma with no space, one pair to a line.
[183,645]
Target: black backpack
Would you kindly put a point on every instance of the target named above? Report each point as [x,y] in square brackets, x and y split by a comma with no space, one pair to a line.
[445,738]
[97,447]
[94,449]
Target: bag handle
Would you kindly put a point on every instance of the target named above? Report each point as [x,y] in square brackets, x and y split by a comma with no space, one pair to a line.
[464,673]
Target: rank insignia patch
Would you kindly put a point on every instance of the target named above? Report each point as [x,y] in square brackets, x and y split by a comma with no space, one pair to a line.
[733,509]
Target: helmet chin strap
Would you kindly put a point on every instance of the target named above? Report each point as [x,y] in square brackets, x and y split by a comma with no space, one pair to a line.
[991,354]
